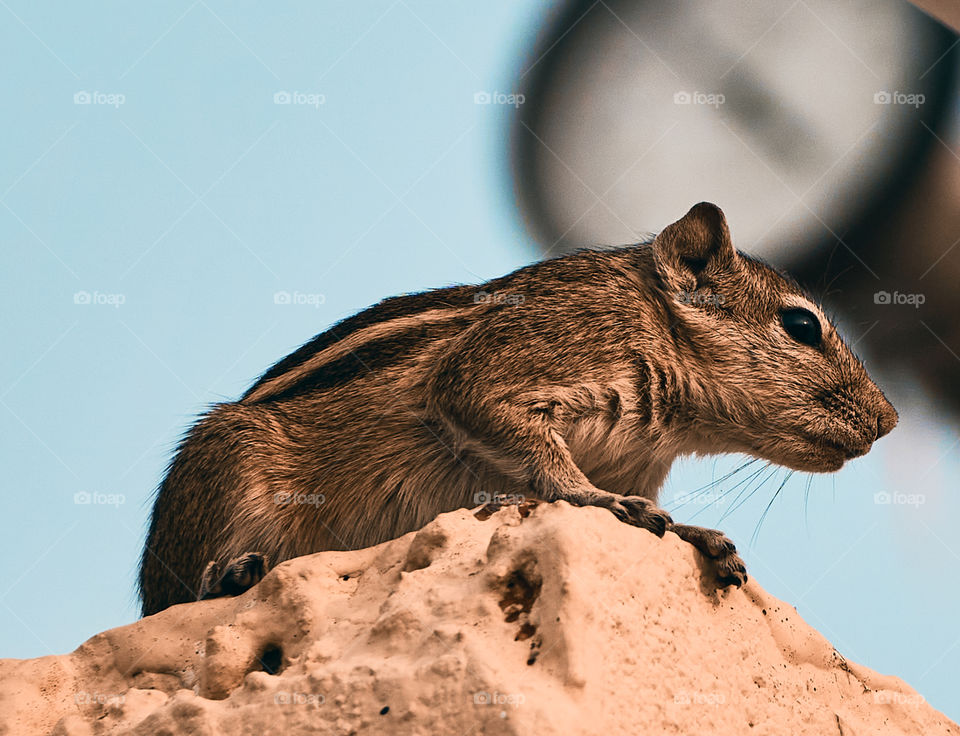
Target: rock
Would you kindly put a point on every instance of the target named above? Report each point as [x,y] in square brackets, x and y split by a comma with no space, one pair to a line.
[538,619]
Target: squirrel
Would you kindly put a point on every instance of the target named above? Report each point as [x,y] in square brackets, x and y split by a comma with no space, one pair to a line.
[579,378]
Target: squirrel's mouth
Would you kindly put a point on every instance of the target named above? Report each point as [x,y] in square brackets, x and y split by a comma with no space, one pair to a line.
[812,453]
[848,450]
[837,452]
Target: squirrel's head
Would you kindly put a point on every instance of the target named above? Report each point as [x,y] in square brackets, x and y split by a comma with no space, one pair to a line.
[771,375]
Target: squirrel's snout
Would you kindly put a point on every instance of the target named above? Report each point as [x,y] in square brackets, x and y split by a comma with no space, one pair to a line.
[886,419]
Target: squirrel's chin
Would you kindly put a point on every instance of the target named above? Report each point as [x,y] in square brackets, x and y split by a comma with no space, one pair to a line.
[813,455]
[827,463]
[826,457]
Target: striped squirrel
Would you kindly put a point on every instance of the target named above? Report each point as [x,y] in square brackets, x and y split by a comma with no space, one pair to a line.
[579,378]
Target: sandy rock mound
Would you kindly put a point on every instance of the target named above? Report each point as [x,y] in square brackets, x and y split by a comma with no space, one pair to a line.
[543,620]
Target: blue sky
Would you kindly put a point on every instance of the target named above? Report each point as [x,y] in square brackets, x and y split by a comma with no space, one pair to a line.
[155,199]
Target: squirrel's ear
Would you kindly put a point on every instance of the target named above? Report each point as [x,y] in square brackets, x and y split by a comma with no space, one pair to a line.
[686,248]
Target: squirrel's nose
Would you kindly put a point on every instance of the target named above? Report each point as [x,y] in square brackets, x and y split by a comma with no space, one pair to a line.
[886,419]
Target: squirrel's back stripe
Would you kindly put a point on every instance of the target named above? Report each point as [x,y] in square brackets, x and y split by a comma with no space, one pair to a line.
[395,306]
[345,357]
[388,309]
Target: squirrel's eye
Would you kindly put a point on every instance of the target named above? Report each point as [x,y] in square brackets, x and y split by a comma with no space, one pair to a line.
[802,325]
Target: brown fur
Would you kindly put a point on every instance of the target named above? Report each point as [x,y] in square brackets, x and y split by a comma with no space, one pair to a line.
[580,378]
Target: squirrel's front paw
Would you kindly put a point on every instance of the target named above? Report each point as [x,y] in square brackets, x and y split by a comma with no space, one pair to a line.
[640,511]
[715,545]
[236,577]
